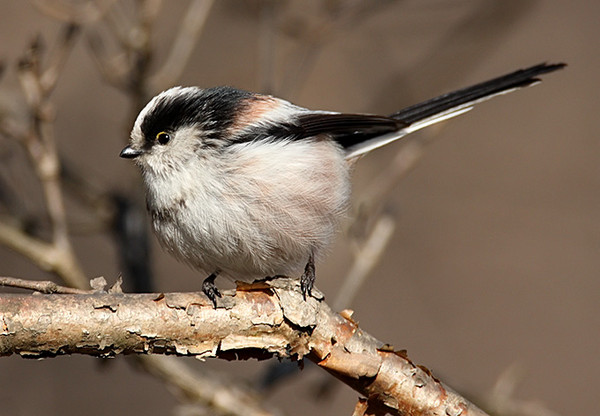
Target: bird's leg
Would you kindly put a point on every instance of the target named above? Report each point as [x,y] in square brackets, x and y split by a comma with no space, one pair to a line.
[210,289]
[307,280]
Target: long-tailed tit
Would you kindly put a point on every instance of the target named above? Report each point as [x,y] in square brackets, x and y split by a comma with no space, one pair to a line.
[251,186]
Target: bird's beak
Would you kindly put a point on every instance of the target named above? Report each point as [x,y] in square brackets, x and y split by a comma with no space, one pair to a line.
[130,153]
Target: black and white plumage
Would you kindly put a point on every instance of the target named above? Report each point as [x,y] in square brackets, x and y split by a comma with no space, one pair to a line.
[249,186]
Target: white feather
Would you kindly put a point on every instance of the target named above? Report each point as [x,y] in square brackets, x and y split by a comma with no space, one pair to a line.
[247,214]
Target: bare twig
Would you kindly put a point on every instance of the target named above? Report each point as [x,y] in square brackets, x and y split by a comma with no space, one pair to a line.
[121,25]
[203,387]
[47,287]
[85,12]
[38,139]
[502,400]
[370,246]
[381,187]
[267,45]
[113,70]
[273,320]
[128,68]
[181,50]
[366,258]
[334,18]
[140,54]
[45,255]
[49,78]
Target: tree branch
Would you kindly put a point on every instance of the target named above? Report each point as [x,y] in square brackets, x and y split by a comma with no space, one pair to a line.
[206,388]
[252,322]
[37,83]
[47,287]
[47,256]
[189,31]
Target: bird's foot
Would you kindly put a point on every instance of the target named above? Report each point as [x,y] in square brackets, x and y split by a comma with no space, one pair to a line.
[307,281]
[210,289]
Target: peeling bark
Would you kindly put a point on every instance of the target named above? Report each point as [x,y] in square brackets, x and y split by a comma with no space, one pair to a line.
[249,323]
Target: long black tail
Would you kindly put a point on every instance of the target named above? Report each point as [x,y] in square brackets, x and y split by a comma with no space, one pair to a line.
[479,92]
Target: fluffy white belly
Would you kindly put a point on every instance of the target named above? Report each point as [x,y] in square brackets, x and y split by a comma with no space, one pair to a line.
[258,211]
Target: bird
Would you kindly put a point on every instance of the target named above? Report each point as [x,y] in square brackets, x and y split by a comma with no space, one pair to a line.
[250,186]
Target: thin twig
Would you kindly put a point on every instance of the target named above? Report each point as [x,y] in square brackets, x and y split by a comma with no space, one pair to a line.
[113,71]
[45,255]
[267,45]
[502,400]
[45,286]
[365,260]
[190,30]
[336,16]
[39,141]
[87,12]
[49,78]
[203,387]
[408,155]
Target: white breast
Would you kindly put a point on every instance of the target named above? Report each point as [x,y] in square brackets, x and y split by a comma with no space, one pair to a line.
[258,211]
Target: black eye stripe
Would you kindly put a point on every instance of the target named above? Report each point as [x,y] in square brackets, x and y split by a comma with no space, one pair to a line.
[214,107]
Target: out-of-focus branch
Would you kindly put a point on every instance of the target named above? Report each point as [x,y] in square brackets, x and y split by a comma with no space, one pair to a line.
[249,323]
[366,257]
[58,59]
[371,231]
[189,31]
[47,256]
[112,69]
[335,15]
[128,68]
[206,388]
[267,45]
[485,24]
[82,12]
[37,136]
[335,18]
[503,401]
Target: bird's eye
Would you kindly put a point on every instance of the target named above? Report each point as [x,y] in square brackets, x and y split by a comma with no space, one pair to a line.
[163,137]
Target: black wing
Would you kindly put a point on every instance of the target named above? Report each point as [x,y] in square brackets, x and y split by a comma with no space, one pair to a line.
[348,129]
[361,133]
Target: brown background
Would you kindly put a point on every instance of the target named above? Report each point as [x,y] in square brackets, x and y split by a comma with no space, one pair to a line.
[495,258]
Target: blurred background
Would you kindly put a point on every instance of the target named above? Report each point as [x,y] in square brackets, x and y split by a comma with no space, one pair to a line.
[485,231]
